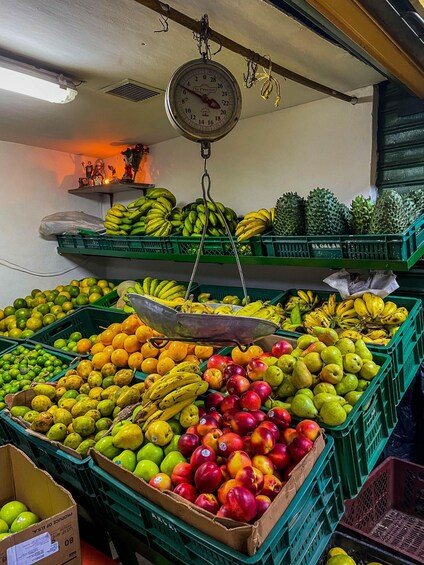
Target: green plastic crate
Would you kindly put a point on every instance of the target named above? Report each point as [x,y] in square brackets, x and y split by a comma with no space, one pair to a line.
[397,247]
[110,299]
[143,244]
[216,245]
[298,538]
[87,320]
[218,292]
[406,348]
[6,344]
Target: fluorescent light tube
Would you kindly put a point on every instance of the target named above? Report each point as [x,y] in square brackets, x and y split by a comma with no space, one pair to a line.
[37,83]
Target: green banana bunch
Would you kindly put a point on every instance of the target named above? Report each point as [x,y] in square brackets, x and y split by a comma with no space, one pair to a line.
[164,291]
[194,219]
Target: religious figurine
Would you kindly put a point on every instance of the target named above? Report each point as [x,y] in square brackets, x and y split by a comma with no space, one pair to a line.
[128,172]
[88,170]
[99,173]
[132,159]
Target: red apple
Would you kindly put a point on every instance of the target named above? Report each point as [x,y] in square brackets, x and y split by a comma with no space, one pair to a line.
[308,429]
[224,490]
[262,504]
[232,370]
[280,417]
[193,430]
[225,473]
[228,443]
[208,502]
[262,388]
[272,486]
[265,354]
[287,472]
[236,461]
[223,512]
[214,378]
[202,412]
[187,491]
[218,418]
[201,455]
[280,456]
[288,435]
[299,447]
[237,385]
[161,481]
[259,415]
[206,424]
[264,464]
[250,401]
[281,348]
[241,504]
[262,440]
[218,362]
[227,417]
[211,439]
[207,477]
[230,402]
[243,423]
[187,443]
[256,370]
[272,428]
[247,445]
[182,473]
[213,401]
[250,478]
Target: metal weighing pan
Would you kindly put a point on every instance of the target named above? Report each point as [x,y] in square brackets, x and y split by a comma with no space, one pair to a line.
[204,328]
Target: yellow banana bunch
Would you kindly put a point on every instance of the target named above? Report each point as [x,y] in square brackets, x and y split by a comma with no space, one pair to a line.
[254,223]
[316,318]
[329,307]
[306,300]
[397,318]
[167,413]
[351,334]
[190,307]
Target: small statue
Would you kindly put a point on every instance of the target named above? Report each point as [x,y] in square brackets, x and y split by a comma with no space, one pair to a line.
[113,178]
[132,159]
[88,170]
[99,173]
[128,172]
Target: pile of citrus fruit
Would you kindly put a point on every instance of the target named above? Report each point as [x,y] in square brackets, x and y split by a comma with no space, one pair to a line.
[41,308]
[126,345]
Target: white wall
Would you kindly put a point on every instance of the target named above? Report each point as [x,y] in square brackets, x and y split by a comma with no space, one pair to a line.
[326,143]
[34,184]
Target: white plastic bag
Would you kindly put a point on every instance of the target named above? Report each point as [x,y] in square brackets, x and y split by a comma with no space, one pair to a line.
[353,285]
[69,222]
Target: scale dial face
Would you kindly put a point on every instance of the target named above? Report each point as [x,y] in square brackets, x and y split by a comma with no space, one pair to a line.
[203,100]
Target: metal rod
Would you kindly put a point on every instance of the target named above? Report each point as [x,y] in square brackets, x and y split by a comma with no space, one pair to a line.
[180,18]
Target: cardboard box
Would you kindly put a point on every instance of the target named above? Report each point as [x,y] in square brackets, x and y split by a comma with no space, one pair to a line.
[55,539]
[246,538]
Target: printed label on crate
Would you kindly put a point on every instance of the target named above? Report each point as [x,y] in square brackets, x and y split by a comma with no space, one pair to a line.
[162,521]
[327,249]
[32,550]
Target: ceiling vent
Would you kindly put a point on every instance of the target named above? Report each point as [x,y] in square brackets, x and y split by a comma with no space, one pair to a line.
[132,90]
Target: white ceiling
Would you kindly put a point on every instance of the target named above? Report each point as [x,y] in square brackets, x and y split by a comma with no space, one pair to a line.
[104,41]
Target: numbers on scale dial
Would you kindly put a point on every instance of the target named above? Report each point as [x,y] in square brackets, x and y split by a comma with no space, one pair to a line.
[204,100]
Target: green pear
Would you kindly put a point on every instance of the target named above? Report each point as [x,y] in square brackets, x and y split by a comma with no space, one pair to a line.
[296,352]
[332,414]
[324,397]
[348,383]
[303,407]
[331,373]
[301,377]
[326,335]
[313,362]
[362,350]
[273,376]
[347,408]
[306,391]
[352,363]
[286,388]
[362,385]
[353,397]
[369,370]
[286,363]
[324,387]
[315,347]
[278,404]
[305,341]
[332,355]
[345,345]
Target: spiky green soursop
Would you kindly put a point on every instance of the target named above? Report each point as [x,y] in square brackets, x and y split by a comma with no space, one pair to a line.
[348,219]
[417,196]
[324,215]
[391,213]
[290,215]
[362,210]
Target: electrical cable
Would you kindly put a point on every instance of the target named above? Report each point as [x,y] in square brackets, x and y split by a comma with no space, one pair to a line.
[16,267]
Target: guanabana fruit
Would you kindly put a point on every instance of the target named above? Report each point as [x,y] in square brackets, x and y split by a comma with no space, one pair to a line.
[290,215]
[362,211]
[390,213]
[324,215]
[347,218]
[417,196]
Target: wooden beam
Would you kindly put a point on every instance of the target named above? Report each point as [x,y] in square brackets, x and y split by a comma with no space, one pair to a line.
[194,25]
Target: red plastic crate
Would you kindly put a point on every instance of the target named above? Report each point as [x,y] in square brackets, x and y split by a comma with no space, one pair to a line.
[389,510]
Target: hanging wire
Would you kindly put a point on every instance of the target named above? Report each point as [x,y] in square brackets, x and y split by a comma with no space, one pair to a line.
[250,78]
[269,82]
[206,188]
[203,37]
[164,19]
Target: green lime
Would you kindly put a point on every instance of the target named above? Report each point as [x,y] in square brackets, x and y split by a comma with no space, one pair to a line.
[81,299]
[48,319]
[75,336]
[59,343]
[9,311]
[19,303]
